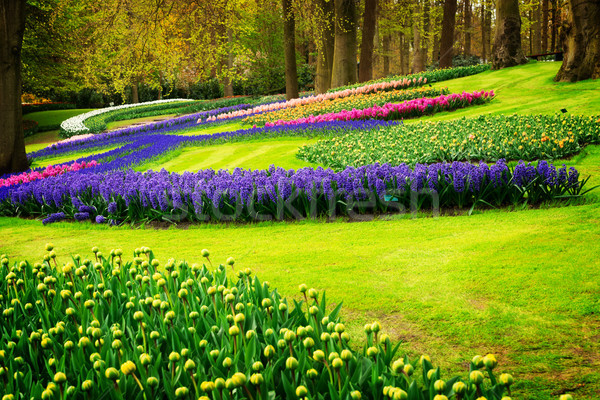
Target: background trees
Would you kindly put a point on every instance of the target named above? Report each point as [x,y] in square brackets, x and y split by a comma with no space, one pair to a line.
[93,53]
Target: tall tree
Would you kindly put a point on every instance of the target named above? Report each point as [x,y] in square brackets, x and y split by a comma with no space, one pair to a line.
[418,62]
[365,68]
[582,42]
[537,29]
[467,26]
[325,44]
[344,54]
[289,39]
[544,26]
[12,142]
[386,47]
[447,40]
[507,51]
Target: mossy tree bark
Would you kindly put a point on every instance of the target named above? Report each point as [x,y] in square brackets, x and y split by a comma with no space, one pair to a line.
[344,54]
[12,142]
[447,40]
[365,68]
[325,47]
[507,51]
[582,42]
[289,44]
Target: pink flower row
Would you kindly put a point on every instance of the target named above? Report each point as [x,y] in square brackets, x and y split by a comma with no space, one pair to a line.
[372,88]
[395,111]
[51,170]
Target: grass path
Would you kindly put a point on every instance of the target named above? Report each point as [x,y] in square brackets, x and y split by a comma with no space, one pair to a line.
[251,155]
[527,89]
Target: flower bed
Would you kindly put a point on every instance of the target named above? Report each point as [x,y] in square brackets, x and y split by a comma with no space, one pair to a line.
[76,125]
[407,109]
[112,327]
[437,75]
[247,195]
[488,137]
[51,170]
[363,89]
[358,101]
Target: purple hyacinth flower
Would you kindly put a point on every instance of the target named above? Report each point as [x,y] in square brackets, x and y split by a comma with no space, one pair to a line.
[82,216]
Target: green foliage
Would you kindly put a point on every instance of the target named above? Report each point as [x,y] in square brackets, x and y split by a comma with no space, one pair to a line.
[30,127]
[29,108]
[140,328]
[487,138]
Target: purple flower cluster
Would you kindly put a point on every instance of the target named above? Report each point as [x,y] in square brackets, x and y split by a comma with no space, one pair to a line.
[55,217]
[244,194]
[138,148]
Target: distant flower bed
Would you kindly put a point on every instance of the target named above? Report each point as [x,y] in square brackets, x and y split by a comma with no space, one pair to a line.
[250,195]
[488,137]
[76,125]
[437,75]
[375,87]
[51,170]
[389,111]
[357,101]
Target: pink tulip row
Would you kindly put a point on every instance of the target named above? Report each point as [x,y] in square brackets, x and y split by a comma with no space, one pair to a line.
[395,111]
[51,170]
[372,88]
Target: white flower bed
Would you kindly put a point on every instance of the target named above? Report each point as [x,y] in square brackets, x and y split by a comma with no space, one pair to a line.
[76,125]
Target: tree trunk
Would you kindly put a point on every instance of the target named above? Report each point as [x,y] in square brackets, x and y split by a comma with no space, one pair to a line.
[507,51]
[488,27]
[344,53]
[289,44]
[426,34]
[544,26]
[405,49]
[135,96]
[468,22]
[386,54]
[435,53]
[537,29]
[160,87]
[227,81]
[553,27]
[12,142]
[365,68]
[447,41]
[325,46]
[530,32]
[582,42]
[483,36]
[417,65]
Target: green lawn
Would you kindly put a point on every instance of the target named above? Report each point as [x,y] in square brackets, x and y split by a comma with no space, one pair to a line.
[526,89]
[248,154]
[54,117]
[523,284]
